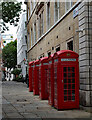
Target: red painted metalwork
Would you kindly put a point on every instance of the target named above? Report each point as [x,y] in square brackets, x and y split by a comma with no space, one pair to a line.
[66,80]
[36,78]
[51,80]
[31,65]
[43,68]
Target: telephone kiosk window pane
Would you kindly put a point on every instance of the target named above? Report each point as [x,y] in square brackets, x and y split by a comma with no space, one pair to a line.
[65,86]
[73,92]
[65,69]
[69,97]
[69,86]
[65,92]
[73,74]
[69,92]
[65,80]
[69,75]
[73,69]
[69,69]
[73,98]
[65,98]
[73,80]
[73,86]
[65,74]
[69,80]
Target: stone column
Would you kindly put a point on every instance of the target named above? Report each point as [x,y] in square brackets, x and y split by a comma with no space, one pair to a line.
[85,54]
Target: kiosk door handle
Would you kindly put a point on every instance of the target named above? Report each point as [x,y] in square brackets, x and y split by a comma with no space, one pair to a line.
[62,81]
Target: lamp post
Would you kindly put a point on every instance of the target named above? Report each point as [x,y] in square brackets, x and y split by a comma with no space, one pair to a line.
[26,78]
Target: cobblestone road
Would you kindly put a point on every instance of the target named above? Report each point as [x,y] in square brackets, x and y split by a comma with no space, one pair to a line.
[19,103]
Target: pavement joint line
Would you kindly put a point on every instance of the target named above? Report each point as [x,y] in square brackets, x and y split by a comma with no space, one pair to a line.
[5,113]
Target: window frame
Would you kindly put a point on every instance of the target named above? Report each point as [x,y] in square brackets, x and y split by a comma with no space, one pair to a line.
[72,45]
[70,5]
[48,15]
[31,37]
[58,10]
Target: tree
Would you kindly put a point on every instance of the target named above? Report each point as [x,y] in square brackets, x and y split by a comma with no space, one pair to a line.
[9,55]
[10,13]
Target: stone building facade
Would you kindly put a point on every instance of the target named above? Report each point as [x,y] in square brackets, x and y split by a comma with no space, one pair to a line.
[85,54]
[55,26]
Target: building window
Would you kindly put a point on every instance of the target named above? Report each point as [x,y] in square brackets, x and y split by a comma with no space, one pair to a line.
[48,15]
[25,39]
[49,53]
[31,37]
[35,32]
[25,25]
[70,45]
[57,9]
[34,3]
[31,6]
[28,14]
[42,55]
[40,24]
[68,5]
[57,48]
[28,42]
[26,53]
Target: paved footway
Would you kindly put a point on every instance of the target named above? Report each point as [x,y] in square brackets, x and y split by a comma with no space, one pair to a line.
[19,103]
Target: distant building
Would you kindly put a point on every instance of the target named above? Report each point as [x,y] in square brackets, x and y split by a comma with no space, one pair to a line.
[22,44]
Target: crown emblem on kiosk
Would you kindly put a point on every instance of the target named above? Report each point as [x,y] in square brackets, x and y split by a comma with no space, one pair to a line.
[68,54]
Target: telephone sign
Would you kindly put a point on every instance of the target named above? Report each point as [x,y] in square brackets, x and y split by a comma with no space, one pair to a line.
[68,59]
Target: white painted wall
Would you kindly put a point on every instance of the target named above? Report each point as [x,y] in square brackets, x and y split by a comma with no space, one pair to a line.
[21,43]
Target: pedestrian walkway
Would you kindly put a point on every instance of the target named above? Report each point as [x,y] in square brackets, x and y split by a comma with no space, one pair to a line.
[19,103]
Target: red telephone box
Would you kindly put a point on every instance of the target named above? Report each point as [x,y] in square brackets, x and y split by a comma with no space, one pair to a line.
[31,65]
[43,69]
[66,80]
[51,80]
[36,78]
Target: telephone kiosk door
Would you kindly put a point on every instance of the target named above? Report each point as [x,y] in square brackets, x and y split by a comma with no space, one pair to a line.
[36,78]
[31,76]
[43,69]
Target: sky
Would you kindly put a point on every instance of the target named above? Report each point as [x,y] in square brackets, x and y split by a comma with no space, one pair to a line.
[12,29]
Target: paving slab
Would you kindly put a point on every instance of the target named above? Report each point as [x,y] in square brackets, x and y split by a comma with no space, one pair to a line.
[18,102]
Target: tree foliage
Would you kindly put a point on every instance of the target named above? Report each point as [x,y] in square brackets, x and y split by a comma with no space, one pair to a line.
[9,55]
[10,13]
[16,71]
